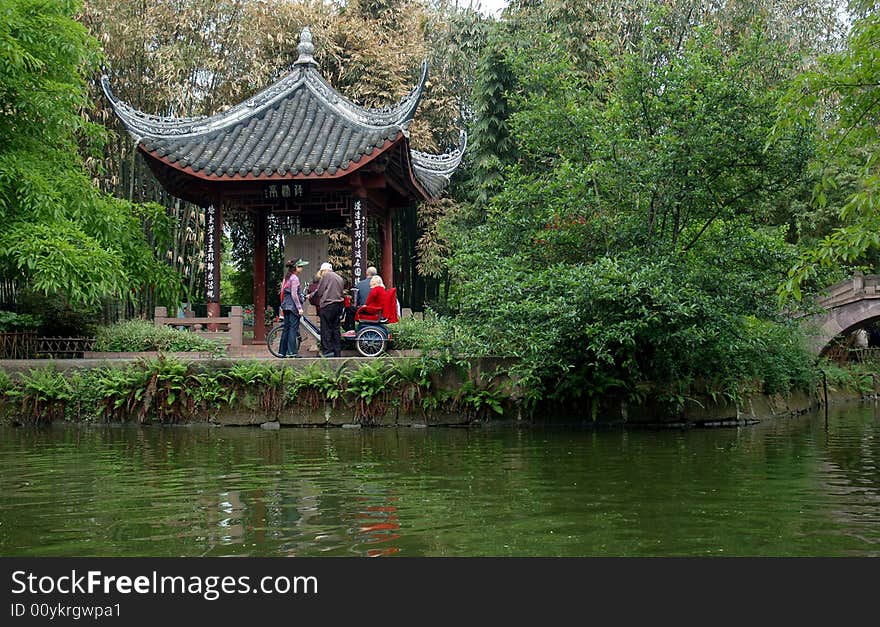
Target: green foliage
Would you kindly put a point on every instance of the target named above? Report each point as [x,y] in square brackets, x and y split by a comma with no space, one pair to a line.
[314,385]
[443,339]
[141,335]
[370,388]
[853,377]
[251,373]
[429,332]
[57,316]
[492,148]
[61,235]
[11,321]
[210,391]
[838,101]
[414,380]
[87,403]
[166,390]
[849,244]
[5,383]
[40,395]
[258,385]
[586,330]
[635,244]
[150,390]
[120,391]
[476,398]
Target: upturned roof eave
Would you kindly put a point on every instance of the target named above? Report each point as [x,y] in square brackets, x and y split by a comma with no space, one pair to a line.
[442,166]
[142,125]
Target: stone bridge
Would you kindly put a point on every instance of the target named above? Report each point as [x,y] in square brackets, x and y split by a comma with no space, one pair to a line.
[848,305]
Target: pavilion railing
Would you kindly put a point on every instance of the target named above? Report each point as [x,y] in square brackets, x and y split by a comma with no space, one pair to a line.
[227,329]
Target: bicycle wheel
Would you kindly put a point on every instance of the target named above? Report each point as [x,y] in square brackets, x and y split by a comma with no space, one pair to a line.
[370,342]
[273,340]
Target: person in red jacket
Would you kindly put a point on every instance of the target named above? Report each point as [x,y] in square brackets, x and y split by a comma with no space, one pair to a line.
[376,297]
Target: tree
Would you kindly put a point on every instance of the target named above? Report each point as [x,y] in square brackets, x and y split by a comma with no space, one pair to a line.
[492,148]
[61,235]
[840,99]
[632,243]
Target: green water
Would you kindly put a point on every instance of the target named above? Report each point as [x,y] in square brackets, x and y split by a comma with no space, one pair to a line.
[787,487]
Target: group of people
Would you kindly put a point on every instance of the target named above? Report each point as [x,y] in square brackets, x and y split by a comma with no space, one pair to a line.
[327,293]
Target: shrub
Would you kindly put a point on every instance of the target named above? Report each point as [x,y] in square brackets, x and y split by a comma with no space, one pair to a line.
[414,380]
[41,395]
[421,333]
[314,385]
[370,387]
[855,377]
[145,391]
[433,333]
[140,335]
[56,317]
[87,402]
[257,385]
[617,325]
[11,321]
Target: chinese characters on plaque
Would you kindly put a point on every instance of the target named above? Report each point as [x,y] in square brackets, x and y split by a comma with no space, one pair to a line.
[212,261]
[358,241]
[293,191]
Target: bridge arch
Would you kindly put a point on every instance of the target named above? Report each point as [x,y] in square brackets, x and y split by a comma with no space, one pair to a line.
[847,306]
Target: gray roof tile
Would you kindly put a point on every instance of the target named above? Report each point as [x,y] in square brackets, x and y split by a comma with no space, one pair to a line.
[298,126]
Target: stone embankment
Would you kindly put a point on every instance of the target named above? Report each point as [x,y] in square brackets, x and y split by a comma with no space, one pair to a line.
[449,394]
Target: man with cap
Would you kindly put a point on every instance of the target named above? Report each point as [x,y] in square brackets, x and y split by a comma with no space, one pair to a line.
[292,306]
[329,297]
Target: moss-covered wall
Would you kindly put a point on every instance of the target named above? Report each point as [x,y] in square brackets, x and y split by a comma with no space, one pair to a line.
[416,391]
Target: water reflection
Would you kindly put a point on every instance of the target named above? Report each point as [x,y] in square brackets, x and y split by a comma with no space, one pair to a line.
[377,523]
[788,487]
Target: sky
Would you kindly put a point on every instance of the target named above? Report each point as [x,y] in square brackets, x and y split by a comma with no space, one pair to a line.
[491,7]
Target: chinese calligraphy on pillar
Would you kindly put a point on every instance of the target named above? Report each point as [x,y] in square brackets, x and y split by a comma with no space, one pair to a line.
[212,255]
[358,241]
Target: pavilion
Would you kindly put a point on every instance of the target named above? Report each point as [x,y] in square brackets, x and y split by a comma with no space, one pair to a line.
[298,148]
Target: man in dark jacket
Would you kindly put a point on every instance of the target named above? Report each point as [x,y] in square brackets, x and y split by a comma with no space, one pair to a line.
[329,297]
[363,286]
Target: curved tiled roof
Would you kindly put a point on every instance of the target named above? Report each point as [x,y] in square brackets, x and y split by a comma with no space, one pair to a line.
[296,135]
[434,171]
[300,126]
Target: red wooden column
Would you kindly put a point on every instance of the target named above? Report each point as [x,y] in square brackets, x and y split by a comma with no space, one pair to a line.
[260,255]
[387,249]
[213,252]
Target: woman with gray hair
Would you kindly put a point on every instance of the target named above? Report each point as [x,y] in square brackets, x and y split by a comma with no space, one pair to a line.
[376,297]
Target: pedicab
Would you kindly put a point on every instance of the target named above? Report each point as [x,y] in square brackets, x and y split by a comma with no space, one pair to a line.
[370,335]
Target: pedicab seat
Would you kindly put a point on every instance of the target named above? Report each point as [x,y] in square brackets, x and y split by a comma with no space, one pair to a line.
[385,314]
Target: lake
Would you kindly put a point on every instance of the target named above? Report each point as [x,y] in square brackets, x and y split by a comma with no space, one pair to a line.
[787,487]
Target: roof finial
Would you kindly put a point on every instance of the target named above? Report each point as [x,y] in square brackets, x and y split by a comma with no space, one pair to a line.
[306,49]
